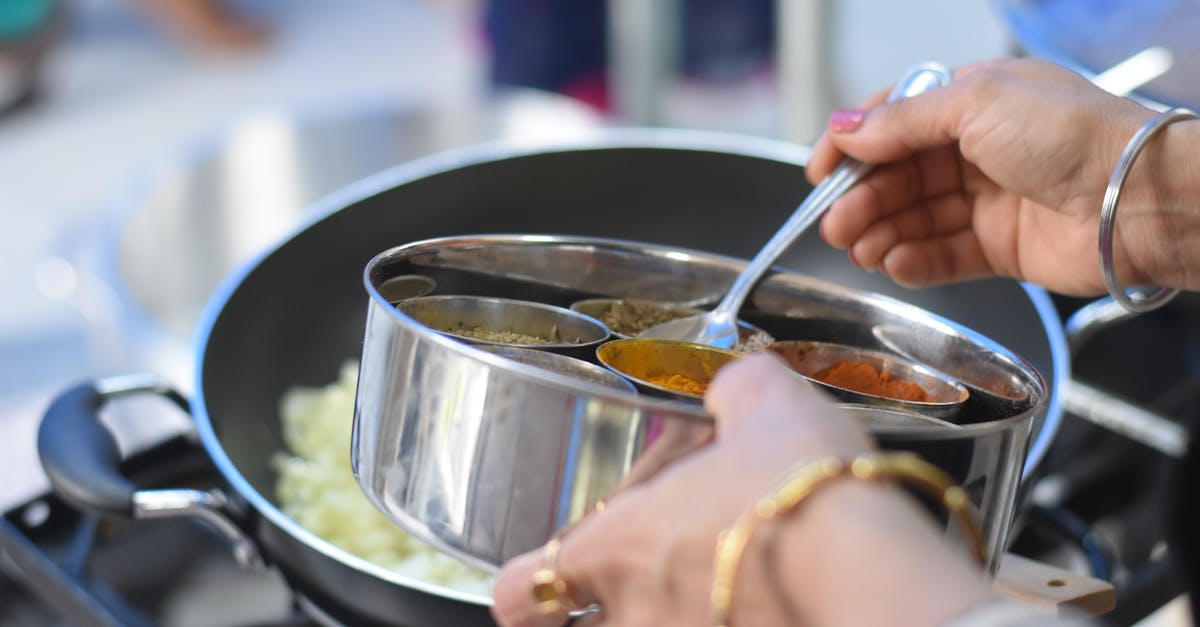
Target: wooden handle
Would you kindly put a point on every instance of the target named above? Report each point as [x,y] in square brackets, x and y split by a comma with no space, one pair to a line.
[1026,580]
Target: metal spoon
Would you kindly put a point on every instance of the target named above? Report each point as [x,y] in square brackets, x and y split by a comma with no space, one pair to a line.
[719,326]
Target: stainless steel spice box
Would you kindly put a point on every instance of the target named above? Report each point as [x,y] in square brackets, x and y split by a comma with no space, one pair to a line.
[485,457]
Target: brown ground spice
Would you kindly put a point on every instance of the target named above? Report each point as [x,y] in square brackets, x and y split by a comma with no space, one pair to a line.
[505,337]
[630,317]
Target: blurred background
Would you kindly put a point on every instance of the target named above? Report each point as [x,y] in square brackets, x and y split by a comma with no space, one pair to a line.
[148,147]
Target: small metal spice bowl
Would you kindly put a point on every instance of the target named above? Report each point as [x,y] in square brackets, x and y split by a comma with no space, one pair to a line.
[562,364]
[650,363]
[944,397]
[406,286]
[626,317]
[505,322]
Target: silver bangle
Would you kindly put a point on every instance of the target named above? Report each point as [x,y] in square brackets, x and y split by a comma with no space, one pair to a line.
[1108,214]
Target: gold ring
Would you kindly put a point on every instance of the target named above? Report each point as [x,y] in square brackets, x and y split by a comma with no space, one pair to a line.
[551,592]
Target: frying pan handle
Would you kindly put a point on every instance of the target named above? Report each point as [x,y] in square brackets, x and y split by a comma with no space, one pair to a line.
[79,453]
[82,461]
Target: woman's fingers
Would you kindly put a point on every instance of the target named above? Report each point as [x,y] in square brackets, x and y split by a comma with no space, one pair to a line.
[926,220]
[895,130]
[791,418]
[947,259]
[887,190]
[748,388]
[826,156]
[882,132]
[515,603]
[884,191]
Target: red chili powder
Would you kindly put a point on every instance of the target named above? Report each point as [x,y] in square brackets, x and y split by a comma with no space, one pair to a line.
[863,377]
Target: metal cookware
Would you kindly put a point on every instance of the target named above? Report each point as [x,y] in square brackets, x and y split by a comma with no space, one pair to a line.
[293,316]
[482,459]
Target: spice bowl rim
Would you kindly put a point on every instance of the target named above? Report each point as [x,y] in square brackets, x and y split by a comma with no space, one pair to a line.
[604,333]
[745,329]
[643,384]
[604,299]
[925,421]
[532,357]
[939,409]
[428,286]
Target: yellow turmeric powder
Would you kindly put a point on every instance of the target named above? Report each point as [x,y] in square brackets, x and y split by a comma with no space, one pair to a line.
[680,383]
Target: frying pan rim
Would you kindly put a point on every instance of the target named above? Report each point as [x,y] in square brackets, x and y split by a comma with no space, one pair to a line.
[682,140]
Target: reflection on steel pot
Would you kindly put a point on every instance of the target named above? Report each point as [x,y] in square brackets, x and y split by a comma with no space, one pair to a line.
[482,457]
[253,345]
[213,205]
[576,368]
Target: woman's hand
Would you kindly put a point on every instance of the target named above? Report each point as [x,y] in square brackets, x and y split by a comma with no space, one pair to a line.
[1003,172]
[647,556]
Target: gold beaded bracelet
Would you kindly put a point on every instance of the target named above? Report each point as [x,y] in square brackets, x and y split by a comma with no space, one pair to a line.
[800,483]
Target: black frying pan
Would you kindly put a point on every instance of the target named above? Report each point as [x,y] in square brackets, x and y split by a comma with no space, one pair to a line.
[294,316]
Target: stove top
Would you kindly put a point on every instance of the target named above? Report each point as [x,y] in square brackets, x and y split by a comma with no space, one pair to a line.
[62,566]
[1098,505]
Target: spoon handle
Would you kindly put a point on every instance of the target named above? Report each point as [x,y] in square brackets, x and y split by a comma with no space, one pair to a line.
[850,171]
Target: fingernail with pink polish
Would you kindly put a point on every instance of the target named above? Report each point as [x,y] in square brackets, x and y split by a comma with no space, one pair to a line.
[846,120]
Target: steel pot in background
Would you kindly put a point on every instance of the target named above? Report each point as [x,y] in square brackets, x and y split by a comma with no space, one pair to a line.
[197,214]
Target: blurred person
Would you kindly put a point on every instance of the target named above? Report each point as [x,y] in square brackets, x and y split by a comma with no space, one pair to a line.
[210,24]
[563,46]
[29,30]
[1002,173]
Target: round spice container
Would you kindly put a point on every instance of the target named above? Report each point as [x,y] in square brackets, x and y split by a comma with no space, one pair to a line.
[627,317]
[506,322]
[665,367]
[859,375]
[406,286]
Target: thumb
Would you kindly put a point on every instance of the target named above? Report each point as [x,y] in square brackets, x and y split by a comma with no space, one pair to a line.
[896,130]
[747,388]
[759,396]
[890,131]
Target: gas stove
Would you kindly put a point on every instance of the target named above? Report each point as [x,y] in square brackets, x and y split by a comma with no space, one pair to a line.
[1097,505]
[1105,495]
[65,567]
